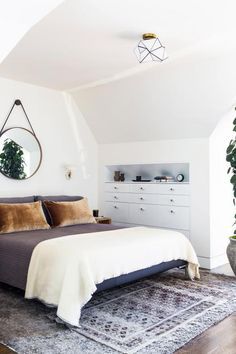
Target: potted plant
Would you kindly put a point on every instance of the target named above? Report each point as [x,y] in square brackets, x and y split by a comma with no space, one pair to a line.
[231,158]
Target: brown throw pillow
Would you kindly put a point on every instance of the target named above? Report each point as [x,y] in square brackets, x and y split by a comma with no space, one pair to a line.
[70,213]
[22,217]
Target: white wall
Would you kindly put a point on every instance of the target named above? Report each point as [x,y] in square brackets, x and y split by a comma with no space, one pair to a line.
[194,151]
[221,206]
[64,136]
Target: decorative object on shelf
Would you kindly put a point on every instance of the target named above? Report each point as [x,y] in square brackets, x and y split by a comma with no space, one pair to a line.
[180,177]
[117,176]
[95,213]
[122,177]
[141,180]
[103,220]
[20,150]
[150,48]
[164,178]
[69,171]
[231,158]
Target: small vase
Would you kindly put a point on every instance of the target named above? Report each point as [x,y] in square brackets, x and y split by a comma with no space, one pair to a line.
[122,177]
[231,253]
[116,176]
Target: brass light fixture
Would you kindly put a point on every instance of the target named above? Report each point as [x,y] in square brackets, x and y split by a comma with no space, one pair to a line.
[150,48]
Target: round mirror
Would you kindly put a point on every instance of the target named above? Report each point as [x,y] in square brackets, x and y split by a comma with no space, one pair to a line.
[20,153]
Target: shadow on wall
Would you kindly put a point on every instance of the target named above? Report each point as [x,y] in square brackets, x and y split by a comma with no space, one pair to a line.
[81,153]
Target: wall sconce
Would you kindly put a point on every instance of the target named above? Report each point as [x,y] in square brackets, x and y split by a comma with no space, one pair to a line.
[69,170]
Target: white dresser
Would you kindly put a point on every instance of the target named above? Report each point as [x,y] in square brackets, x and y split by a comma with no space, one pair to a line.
[165,205]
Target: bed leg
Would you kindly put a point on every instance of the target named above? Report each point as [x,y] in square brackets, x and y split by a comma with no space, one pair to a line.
[185,268]
[187,277]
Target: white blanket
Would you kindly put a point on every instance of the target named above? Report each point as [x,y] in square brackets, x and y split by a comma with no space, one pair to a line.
[64,271]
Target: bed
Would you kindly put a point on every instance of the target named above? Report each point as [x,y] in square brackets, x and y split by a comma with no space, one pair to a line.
[35,261]
[16,250]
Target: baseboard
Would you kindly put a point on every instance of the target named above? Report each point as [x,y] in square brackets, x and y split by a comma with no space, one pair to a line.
[204,262]
[213,262]
[218,261]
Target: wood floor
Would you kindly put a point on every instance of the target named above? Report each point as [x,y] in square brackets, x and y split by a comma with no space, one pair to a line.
[219,339]
[4,350]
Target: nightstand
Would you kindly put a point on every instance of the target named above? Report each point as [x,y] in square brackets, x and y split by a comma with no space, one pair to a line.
[103,220]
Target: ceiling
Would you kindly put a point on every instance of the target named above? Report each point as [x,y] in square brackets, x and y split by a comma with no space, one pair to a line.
[83,42]
[182,99]
[17,17]
[86,47]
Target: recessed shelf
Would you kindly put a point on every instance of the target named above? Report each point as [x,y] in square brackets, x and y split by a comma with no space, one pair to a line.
[148,171]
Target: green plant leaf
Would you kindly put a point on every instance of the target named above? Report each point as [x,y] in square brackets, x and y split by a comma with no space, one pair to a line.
[229,157]
[233,179]
[229,148]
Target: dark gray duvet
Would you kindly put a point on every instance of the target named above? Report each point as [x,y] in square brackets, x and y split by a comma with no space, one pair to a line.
[16,249]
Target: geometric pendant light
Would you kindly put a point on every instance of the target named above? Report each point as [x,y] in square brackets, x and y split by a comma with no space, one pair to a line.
[150,49]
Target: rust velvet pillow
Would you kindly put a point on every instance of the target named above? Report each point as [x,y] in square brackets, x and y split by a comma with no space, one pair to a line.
[22,217]
[69,213]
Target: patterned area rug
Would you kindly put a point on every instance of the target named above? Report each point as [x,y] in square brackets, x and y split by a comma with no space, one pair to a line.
[155,315]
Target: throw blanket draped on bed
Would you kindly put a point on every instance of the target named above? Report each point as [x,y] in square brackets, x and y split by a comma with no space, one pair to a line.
[64,271]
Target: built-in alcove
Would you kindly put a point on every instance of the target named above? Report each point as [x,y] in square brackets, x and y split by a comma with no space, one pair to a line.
[148,171]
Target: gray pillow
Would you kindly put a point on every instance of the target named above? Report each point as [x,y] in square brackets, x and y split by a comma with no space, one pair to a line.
[15,200]
[55,198]
[58,198]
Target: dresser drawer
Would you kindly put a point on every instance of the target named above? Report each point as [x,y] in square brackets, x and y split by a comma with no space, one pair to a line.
[173,200]
[143,214]
[117,187]
[117,211]
[158,188]
[159,199]
[143,188]
[143,198]
[173,189]
[118,197]
[173,217]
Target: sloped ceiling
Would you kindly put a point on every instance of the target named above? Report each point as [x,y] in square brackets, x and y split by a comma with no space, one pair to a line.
[17,17]
[85,41]
[184,98]
[86,47]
